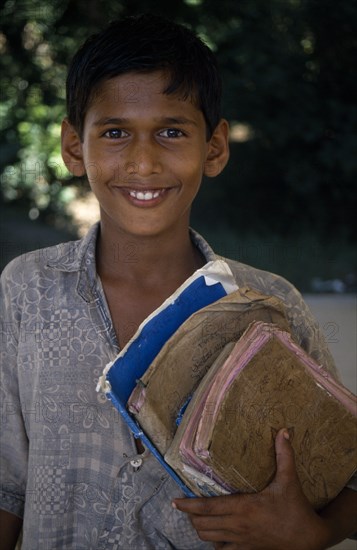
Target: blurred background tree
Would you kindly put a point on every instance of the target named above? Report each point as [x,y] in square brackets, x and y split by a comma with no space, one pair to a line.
[288,195]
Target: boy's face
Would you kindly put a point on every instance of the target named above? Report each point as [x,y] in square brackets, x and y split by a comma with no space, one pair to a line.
[144,154]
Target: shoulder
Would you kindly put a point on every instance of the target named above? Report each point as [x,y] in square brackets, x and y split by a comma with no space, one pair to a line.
[66,257]
[33,281]
[263,281]
[28,284]
[38,261]
[271,284]
[304,326]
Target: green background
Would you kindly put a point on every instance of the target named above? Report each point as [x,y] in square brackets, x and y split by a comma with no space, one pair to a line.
[287,200]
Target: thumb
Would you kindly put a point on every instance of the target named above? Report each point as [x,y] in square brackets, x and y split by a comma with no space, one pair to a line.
[285,459]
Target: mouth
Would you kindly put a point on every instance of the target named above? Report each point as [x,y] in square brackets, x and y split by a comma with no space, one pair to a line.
[144,197]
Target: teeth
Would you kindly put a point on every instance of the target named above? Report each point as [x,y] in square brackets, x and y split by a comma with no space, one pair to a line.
[144,195]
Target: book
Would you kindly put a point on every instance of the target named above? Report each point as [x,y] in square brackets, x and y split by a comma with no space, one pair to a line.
[171,398]
[225,441]
[163,391]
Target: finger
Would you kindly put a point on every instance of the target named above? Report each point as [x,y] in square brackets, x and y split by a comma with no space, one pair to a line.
[209,506]
[217,536]
[285,459]
[213,523]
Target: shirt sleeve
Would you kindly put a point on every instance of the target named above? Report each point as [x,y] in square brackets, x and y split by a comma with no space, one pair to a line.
[13,437]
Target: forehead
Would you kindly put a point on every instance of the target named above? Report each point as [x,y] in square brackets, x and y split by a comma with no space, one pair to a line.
[139,91]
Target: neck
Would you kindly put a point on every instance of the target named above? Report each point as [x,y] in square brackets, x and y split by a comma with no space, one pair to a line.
[146,260]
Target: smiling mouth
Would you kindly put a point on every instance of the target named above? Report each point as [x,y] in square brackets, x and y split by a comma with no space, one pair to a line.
[146,195]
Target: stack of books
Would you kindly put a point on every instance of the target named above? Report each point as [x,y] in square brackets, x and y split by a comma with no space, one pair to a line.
[209,398]
[163,391]
[225,441]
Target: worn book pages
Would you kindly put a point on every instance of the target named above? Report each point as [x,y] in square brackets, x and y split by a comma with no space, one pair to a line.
[164,389]
[267,382]
[197,475]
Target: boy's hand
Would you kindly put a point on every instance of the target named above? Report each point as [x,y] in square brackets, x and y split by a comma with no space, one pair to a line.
[278,517]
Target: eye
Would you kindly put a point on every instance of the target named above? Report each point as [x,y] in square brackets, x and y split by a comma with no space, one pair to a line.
[172,133]
[115,133]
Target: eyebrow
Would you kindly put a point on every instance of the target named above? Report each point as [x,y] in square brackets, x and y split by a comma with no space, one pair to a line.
[176,120]
[165,121]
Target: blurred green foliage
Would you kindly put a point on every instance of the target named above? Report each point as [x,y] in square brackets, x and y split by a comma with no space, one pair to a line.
[289,69]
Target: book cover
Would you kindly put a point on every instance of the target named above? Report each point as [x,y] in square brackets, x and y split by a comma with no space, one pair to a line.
[264,383]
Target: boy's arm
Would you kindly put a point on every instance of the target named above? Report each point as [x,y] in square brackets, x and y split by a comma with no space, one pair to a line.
[277,518]
[10,527]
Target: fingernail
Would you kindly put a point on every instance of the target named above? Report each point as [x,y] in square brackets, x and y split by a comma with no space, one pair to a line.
[286,435]
[173,504]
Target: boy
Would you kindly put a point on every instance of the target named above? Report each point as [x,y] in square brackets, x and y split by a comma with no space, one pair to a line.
[144,126]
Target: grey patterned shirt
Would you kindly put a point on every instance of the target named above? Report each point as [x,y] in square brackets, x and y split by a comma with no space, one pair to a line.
[69,465]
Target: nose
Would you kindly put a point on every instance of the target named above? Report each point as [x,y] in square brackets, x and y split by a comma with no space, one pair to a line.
[143,159]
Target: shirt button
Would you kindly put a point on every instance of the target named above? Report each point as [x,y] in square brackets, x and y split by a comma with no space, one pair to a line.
[136,464]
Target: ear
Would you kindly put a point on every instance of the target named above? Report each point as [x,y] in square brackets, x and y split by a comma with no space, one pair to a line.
[71,148]
[218,150]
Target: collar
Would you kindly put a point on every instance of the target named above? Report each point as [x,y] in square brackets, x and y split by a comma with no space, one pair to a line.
[80,255]
[75,255]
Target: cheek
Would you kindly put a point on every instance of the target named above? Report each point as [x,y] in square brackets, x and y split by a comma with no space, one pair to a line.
[102,171]
[94,173]
[94,170]
[190,166]
[195,172]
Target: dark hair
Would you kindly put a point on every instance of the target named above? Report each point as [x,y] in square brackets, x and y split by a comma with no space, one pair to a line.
[145,43]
